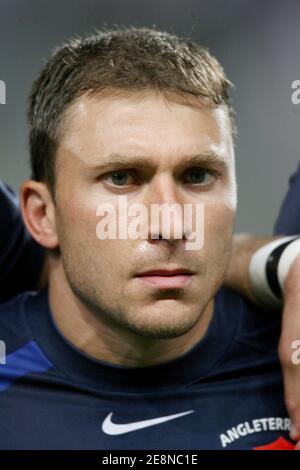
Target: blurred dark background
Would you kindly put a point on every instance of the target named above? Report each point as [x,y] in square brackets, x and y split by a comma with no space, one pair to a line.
[257,42]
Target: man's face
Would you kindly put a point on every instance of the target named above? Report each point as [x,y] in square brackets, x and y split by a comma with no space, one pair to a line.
[163,136]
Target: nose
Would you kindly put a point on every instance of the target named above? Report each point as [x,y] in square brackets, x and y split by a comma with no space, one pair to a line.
[165,211]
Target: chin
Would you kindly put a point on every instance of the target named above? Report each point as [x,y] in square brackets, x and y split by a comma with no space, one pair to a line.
[161,333]
[166,324]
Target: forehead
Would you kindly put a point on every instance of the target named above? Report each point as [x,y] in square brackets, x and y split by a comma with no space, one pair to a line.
[140,124]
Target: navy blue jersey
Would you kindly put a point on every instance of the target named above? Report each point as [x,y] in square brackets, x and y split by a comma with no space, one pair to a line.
[21,258]
[225,393]
[288,222]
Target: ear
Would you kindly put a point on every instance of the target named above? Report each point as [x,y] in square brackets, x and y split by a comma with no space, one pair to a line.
[38,211]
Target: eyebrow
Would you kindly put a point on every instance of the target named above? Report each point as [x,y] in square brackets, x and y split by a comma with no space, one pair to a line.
[116,160]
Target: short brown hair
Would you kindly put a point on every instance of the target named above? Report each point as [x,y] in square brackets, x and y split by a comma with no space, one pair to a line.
[124,59]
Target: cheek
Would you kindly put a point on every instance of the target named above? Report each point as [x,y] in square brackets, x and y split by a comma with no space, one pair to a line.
[76,228]
[79,241]
[218,232]
[78,218]
[219,217]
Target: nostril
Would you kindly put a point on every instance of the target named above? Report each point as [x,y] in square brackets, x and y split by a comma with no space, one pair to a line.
[156,236]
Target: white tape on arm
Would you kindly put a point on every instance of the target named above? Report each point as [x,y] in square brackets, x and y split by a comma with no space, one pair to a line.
[286,260]
[258,277]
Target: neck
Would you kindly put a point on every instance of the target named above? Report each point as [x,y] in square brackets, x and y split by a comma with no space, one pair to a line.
[101,340]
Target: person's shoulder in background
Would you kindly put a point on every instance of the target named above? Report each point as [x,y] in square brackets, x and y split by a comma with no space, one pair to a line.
[254,338]
[21,258]
[14,331]
[288,221]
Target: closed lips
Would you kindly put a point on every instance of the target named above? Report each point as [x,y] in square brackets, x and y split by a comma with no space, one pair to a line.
[162,272]
[166,279]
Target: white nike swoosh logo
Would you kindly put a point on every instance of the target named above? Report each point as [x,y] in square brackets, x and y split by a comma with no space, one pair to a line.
[113,429]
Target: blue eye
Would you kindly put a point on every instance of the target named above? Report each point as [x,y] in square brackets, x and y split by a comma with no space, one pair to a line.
[199,176]
[120,177]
